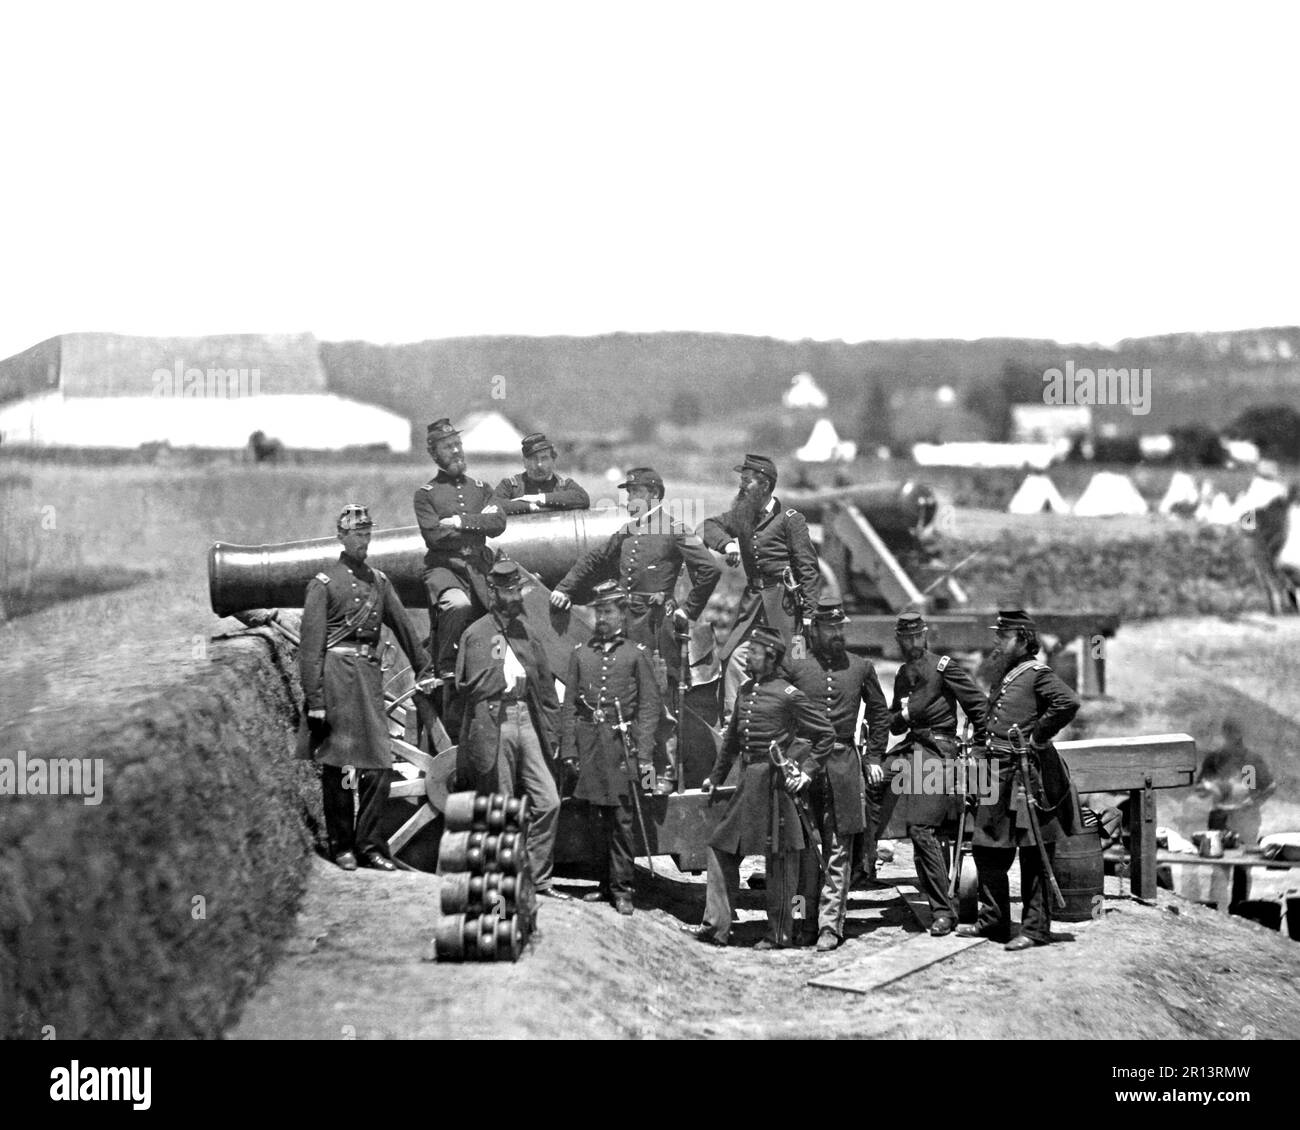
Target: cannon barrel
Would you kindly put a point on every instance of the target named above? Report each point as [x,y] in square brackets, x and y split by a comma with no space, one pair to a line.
[895,510]
[276,576]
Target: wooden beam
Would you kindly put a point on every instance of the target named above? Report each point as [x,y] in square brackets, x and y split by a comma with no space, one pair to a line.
[869,554]
[1116,765]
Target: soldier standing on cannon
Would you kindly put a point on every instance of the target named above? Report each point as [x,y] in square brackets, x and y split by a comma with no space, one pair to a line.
[339,656]
[927,689]
[1028,695]
[837,683]
[610,685]
[768,813]
[646,556]
[539,487]
[511,716]
[780,565]
[456,516]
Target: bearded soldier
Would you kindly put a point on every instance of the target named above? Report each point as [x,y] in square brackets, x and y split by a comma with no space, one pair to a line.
[646,556]
[927,689]
[768,813]
[456,516]
[837,684]
[610,683]
[780,564]
[512,713]
[539,487]
[1025,693]
[339,657]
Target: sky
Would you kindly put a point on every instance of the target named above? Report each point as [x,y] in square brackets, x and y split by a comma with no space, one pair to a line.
[834,171]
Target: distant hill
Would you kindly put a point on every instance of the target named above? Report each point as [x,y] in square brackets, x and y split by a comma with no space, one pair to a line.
[597,384]
[594,386]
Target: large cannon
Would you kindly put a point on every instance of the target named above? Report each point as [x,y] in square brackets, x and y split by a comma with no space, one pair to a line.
[547,545]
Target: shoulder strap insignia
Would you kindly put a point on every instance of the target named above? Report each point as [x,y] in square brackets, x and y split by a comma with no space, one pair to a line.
[1040,666]
[428,485]
[380,576]
[943,662]
[640,647]
[789,690]
[518,481]
[323,578]
[791,513]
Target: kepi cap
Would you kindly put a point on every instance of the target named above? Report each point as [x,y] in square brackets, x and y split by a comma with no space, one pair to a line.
[1011,619]
[829,612]
[504,574]
[609,592]
[535,442]
[643,477]
[909,623]
[760,463]
[440,430]
[354,517]
[768,637]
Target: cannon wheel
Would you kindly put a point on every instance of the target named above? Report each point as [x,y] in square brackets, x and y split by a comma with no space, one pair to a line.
[437,769]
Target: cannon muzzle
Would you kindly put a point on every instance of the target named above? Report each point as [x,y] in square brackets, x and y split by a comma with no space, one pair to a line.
[276,576]
[895,510]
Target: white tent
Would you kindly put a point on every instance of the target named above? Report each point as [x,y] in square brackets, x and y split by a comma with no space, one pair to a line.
[1037,494]
[1108,494]
[824,446]
[1182,497]
[803,393]
[489,433]
[1259,494]
[1220,511]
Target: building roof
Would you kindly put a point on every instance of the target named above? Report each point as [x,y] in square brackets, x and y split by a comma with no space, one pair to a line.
[104,364]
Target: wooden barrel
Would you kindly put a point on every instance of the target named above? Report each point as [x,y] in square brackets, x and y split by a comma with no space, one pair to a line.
[1080,873]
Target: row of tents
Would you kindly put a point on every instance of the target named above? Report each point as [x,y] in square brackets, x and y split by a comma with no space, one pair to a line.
[1111,494]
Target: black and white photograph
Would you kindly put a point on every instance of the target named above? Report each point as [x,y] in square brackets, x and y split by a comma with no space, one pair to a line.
[718,521]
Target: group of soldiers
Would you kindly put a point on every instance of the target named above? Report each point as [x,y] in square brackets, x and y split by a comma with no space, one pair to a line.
[805,724]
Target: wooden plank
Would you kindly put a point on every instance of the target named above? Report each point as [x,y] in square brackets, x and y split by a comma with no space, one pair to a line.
[1122,764]
[894,963]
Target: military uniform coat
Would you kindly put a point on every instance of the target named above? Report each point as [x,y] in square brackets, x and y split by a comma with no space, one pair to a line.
[779,540]
[933,686]
[761,817]
[348,687]
[837,691]
[558,494]
[646,558]
[480,678]
[601,673]
[458,558]
[1032,697]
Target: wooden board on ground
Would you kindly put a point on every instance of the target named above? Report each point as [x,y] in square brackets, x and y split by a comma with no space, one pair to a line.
[892,964]
[902,959]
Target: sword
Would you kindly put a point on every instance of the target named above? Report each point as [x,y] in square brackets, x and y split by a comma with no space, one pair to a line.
[1022,765]
[963,768]
[790,773]
[629,763]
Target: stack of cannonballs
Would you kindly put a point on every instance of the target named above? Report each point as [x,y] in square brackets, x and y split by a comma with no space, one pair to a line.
[489,907]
